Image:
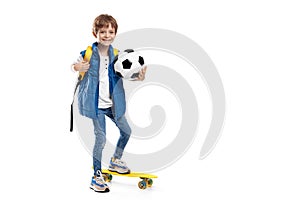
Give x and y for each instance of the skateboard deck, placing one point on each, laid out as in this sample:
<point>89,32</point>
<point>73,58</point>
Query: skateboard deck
<point>146,179</point>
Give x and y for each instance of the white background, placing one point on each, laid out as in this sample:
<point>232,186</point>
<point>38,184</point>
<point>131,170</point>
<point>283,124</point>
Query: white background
<point>255,46</point>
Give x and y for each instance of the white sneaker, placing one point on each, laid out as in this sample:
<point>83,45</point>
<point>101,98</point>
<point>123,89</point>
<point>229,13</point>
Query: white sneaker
<point>119,166</point>
<point>98,184</point>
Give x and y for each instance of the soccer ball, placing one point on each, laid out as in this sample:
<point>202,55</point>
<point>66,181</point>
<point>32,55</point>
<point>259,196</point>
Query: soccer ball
<point>128,64</point>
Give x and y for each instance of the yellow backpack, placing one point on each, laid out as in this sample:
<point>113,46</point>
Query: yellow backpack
<point>87,57</point>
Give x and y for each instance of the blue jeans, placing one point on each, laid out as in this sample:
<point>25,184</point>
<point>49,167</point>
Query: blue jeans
<point>100,136</point>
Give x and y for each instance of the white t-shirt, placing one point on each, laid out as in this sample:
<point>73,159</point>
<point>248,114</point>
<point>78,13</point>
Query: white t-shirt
<point>104,100</point>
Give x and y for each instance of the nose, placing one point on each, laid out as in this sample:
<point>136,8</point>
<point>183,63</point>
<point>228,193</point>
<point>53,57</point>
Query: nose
<point>106,34</point>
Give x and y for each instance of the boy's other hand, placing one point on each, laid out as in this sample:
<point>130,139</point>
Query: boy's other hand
<point>142,74</point>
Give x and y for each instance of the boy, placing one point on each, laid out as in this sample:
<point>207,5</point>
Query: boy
<point>103,85</point>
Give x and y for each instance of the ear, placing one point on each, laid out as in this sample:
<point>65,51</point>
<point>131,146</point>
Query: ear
<point>94,34</point>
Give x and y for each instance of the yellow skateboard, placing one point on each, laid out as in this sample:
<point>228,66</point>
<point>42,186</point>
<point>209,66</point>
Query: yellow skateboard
<point>143,184</point>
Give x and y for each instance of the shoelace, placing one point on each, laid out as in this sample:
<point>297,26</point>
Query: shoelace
<point>99,177</point>
<point>120,162</point>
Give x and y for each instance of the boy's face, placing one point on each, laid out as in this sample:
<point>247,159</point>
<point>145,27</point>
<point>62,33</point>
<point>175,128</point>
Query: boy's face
<point>106,35</point>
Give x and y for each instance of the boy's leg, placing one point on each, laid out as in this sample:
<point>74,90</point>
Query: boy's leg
<point>100,139</point>
<point>116,164</point>
<point>125,132</point>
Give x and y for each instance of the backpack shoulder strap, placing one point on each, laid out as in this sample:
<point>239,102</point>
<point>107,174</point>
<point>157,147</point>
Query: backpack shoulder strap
<point>87,57</point>
<point>116,52</point>
<point>88,53</point>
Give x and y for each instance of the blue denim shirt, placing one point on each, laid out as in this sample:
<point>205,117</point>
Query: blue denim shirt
<point>88,93</point>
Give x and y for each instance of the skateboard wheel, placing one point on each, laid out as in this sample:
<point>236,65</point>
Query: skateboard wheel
<point>149,182</point>
<point>107,177</point>
<point>142,185</point>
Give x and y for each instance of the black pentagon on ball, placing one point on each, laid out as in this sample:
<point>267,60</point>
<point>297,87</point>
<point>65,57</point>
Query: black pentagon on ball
<point>126,64</point>
<point>141,60</point>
